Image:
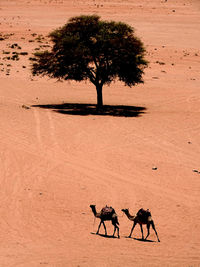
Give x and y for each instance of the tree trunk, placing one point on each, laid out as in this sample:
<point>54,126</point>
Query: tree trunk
<point>99,96</point>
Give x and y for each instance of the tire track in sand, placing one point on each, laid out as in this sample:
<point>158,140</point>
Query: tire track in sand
<point>38,127</point>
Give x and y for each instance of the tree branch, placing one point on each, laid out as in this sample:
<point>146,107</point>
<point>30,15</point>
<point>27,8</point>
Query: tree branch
<point>91,75</point>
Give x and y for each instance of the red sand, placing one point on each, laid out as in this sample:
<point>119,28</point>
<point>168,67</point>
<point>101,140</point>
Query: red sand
<point>53,166</point>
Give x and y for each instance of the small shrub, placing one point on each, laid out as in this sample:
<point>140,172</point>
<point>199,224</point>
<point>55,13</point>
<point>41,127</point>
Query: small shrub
<point>6,52</point>
<point>15,46</point>
<point>32,59</point>
<point>39,38</point>
<point>45,45</point>
<point>15,57</point>
<point>6,58</point>
<point>24,53</point>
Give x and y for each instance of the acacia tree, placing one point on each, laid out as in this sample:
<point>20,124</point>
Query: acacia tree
<point>87,48</point>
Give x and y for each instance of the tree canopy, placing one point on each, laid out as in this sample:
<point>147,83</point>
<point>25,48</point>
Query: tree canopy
<point>87,48</point>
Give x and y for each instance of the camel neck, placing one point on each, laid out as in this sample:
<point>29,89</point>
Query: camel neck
<point>129,215</point>
<point>96,214</point>
<point>94,211</point>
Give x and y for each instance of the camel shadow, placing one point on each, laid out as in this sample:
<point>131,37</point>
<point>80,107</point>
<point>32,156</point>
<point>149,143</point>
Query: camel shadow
<point>140,239</point>
<point>143,240</point>
<point>105,236</point>
<point>91,109</point>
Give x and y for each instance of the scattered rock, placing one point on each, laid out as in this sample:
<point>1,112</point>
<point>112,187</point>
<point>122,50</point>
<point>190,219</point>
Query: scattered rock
<point>154,168</point>
<point>24,53</point>
<point>160,62</point>
<point>195,170</point>
<point>26,107</point>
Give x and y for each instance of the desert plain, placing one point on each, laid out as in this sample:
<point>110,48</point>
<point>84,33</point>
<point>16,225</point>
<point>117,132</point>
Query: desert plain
<point>55,163</point>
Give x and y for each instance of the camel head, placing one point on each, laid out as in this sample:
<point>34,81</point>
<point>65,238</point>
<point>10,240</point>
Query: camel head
<point>125,210</point>
<point>93,207</point>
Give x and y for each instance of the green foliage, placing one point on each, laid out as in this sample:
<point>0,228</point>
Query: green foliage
<point>88,48</point>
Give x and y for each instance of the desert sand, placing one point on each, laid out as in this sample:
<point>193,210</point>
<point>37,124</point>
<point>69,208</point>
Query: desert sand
<point>54,164</point>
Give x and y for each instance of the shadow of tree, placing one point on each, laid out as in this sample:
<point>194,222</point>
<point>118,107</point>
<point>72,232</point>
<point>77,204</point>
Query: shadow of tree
<point>91,109</point>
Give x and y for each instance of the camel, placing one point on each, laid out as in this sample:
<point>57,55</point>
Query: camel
<point>142,217</point>
<point>106,214</point>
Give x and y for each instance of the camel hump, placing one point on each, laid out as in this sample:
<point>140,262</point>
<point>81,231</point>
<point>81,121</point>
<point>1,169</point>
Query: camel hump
<point>144,214</point>
<point>107,210</point>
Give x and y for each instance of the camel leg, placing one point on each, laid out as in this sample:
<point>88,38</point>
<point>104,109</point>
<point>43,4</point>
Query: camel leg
<point>99,228</point>
<point>153,226</point>
<point>132,229</point>
<point>118,231</point>
<point>116,227</point>
<point>142,231</point>
<point>104,228</point>
<point>114,230</point>
<point>148,227</point>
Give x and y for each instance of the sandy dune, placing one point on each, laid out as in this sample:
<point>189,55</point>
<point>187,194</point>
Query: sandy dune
<point>55,164</point>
